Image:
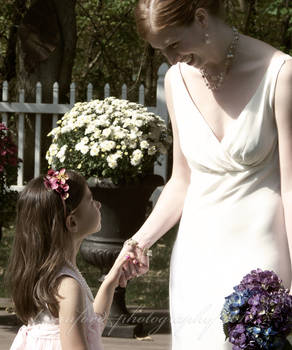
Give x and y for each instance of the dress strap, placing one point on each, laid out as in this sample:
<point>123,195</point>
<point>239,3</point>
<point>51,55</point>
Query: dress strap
<point>280,60</point>
<point>69,272</point>
<point>66,270</point>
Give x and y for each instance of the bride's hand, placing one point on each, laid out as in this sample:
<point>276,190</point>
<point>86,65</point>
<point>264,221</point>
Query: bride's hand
<point>143,260</point>
<point>139,266</point>
<point>142,265</point>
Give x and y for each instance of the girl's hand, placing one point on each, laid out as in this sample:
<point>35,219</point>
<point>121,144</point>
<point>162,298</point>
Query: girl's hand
<point>123,280</point>
<point>116,275</point>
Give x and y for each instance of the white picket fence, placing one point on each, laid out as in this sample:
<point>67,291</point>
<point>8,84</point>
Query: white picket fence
<point>38,108</point>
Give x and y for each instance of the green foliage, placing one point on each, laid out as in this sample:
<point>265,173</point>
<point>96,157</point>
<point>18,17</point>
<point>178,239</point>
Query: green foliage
<point>110,51</point>
<point>6,11</point>
<point>264,20</point>
<point>108,48</point>
<point>10,15</point>
<point>279,13</point>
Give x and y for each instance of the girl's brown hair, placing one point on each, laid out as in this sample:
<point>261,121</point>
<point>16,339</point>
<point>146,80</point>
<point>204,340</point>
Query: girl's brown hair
<point>40,245</point>
<point>155,15</point>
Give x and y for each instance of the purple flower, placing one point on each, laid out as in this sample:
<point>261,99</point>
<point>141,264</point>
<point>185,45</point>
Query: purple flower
<point>237,335</point>
<point>260,280</point>
<point>259,314</point>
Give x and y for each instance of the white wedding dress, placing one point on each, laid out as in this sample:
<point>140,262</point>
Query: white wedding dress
<point>232,221</point>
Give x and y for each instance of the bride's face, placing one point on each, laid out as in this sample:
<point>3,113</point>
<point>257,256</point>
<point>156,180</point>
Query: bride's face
<point>181,43</point>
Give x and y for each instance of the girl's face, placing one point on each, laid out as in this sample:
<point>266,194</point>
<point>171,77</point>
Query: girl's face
<point>87,214</point>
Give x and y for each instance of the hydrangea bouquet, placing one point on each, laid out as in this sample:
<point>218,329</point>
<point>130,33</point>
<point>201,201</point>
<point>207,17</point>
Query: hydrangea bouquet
<point>258,315</point>
<point>109,139</point>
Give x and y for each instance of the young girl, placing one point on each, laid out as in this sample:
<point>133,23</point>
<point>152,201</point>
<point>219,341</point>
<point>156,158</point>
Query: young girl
<point>54,214</point>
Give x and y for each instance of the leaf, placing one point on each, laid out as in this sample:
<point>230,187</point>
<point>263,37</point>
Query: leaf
<point>225,329</point>
<point>273,12</point>
<point>284,11</point>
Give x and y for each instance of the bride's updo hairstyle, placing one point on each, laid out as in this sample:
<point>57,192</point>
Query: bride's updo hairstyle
<point>151,16</point>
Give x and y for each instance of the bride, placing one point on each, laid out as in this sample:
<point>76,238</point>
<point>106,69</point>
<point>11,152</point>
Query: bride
<point>229,100</point>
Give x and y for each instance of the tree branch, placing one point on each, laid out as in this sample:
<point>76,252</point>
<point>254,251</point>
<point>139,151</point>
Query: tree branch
<point>108,38</point>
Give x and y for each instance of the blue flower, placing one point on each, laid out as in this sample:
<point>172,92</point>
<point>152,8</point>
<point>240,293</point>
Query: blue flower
<point>269,331</point>
<point>256,330</point>
<point>258,314</point>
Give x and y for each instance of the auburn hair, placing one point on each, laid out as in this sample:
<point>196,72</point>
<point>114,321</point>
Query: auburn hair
<point>40,244</point>
<point>155,15</point>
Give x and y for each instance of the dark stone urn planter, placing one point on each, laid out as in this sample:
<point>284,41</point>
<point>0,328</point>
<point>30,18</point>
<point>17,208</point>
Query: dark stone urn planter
<point>123,211</point>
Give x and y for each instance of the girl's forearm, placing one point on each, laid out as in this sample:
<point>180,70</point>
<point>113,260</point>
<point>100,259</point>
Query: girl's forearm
<point>103,299</point>
<point>165,214</point>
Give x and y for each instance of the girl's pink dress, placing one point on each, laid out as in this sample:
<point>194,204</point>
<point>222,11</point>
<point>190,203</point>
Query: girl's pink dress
<point>43,333</point>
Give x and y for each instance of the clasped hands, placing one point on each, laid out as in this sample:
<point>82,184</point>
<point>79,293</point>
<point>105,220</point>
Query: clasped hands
<point>136,265</point>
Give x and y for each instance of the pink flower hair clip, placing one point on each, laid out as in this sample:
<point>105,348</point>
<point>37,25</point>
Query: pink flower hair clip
<point>56,180</point>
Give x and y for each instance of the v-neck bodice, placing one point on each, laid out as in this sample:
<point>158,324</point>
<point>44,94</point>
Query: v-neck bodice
<point>258,90</point>
<point>249,140</point>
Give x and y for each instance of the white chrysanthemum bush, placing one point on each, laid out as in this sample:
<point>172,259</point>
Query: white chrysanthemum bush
<point>111,138</point>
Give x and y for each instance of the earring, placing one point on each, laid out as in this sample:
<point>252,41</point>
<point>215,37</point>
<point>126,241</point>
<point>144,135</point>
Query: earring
<point>207,39</point>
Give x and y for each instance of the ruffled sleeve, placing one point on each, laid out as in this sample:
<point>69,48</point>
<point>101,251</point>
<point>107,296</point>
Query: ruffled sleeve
<point>20,339</point>
<point>38,336</point>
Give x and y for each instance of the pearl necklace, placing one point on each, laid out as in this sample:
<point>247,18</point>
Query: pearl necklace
<point>82,280</point>
<point>213,82</point>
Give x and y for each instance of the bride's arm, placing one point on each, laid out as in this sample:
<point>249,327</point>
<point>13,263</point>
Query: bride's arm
<point>165,214</point>
<point>168,208</point>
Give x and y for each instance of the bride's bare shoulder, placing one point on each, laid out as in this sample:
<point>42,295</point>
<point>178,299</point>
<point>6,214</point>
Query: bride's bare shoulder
<point>259,50</point>
<point>168,75</point>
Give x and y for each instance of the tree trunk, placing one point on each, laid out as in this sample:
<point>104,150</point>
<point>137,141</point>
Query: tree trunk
<point>46,51</point>
<point>46,47</point>
<point>250,25</point>
<point>243,5</point>
<point>150,83</point>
